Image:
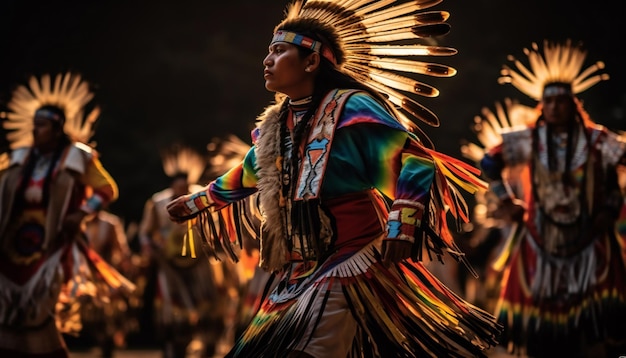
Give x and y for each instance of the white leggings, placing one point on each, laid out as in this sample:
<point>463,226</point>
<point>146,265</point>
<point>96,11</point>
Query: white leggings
<point>335,332</point>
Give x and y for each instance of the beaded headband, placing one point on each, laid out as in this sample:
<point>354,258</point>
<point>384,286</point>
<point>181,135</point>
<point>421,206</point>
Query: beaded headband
<point>304,41</point>
<point>380,44</point>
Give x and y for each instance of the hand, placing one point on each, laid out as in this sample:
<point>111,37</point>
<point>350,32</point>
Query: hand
<point>178,210</point>
<point>396,251</point>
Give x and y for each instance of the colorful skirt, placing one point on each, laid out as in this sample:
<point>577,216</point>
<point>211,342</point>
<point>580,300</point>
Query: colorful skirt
<point>574,301</point>
<point>402,310</point>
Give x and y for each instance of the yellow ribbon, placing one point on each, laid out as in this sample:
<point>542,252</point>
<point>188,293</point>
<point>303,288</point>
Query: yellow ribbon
<point>189,236</point>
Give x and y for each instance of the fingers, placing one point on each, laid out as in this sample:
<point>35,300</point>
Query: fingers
<point>396,251</point>
<point>178,217</point>
<point>177,210</point>
<point>172,206</point>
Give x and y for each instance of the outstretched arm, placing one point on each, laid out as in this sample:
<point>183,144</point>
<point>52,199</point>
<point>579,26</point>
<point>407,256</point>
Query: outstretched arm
<point>236,184</point>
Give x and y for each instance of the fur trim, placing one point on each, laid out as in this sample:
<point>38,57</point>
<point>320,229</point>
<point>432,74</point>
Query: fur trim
<point>267,150</point>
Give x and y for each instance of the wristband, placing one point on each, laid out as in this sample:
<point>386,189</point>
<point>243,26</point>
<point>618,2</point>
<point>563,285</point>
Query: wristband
<point>198,201</point>
<point>93,204</point>
<point>404,218</point>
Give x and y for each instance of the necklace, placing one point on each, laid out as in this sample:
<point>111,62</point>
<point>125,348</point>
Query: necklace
<point>300,102</point>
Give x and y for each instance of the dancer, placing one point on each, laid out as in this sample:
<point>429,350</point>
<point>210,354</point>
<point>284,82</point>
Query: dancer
<point>563,287</point>
<point>328,158</point>
<point>53,181</point>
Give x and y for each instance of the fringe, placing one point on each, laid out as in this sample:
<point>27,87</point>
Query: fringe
<point>90,275</point>
<point>401,311</point>
<point>19,304</point>
<point>592,306</point>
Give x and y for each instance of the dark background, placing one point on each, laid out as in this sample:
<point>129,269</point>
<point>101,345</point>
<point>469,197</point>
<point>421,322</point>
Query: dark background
<point>188,71</point>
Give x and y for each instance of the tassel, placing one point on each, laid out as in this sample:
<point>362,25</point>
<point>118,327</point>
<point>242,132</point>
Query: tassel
<point>184,249</point>
<point>192,246</point>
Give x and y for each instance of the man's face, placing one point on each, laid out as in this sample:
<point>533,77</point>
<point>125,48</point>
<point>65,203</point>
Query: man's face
<point>558,110</point>
<point>45,134</point>
<point>285,71</point>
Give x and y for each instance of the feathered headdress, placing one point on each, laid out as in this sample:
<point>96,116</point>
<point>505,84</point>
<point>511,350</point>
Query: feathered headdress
<point>489,125</point>
<point>4,160</point>
<point>68,92</point>
<point>559,64</point>
<point>180,159</point>
<point>374,41</point>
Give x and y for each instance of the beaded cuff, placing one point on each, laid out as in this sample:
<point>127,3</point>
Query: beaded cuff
<point>198,202</point>
<point>404,218</point>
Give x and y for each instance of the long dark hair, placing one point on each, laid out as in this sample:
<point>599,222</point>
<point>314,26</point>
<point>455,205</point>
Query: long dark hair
<point>576,123</point>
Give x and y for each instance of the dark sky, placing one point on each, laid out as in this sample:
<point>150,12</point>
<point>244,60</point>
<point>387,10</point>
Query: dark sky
<point>186,71</point>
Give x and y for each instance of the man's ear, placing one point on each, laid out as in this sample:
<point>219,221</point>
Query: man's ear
<point>313,62</point>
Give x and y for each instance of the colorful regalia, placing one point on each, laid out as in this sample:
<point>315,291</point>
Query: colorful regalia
<point>44,272</point>
<point>340,174</point>
<point>398,307</point>
<point>563,284</point>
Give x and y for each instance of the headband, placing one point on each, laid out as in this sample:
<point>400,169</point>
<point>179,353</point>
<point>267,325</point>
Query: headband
<point>49,115</point>
<point>303,41</point>
<point>559,89</point>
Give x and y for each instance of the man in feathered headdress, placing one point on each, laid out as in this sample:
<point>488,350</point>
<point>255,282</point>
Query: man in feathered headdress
<point>53,181</point>
<point>564,278</point>
<point>328,157</point>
